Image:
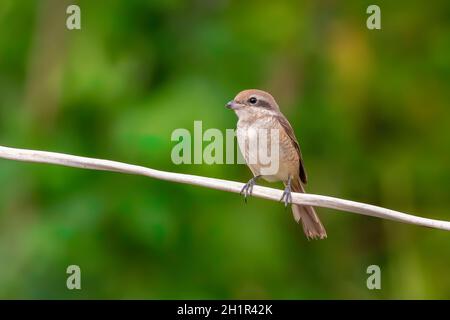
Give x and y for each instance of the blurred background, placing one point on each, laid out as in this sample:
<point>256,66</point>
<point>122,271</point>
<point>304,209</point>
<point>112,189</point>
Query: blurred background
<point>370,109</point>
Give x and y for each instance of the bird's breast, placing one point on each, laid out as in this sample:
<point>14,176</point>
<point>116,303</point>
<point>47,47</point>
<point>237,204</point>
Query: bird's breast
<point>258,144</point>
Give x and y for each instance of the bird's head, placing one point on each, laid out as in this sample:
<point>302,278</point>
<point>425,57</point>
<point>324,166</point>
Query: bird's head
<point>253,102</point>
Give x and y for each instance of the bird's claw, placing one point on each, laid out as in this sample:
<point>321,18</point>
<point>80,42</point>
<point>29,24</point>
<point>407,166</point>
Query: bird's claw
<point>247,189</point>
<point>287,196</point>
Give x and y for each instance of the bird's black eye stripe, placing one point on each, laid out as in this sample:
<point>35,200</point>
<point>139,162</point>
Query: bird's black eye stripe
<point>252,100</point>
<point>264,104</point>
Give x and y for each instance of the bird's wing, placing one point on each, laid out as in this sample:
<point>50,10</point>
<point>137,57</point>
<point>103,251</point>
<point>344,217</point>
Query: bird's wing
<point>290,132</point>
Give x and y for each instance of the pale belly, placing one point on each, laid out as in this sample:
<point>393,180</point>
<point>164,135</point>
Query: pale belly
<point>277,166</point>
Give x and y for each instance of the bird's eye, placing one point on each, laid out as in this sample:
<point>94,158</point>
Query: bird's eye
<point>252,100</point>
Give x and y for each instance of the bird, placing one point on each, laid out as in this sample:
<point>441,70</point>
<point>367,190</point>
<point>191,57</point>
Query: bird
<point>257,111</point>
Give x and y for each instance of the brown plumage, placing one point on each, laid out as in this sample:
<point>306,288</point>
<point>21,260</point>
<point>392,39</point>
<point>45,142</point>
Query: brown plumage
<point>257,109</point>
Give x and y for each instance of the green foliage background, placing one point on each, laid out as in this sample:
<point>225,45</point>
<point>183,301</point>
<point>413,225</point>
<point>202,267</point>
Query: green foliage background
<point>370,108</point>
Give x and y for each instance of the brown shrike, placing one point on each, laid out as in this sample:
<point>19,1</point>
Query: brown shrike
<point>258,110</point>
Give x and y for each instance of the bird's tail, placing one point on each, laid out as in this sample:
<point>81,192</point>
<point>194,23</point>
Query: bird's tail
<point>312,226</point>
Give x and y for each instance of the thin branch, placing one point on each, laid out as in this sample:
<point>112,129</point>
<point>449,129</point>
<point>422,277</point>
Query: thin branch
<point>224,185</point>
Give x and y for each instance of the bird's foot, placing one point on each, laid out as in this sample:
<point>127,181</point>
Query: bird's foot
<point>287,195</point>
<point>247,189</point>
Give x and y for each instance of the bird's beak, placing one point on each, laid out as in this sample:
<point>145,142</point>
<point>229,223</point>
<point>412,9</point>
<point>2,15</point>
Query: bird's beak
<point>232,105</point>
